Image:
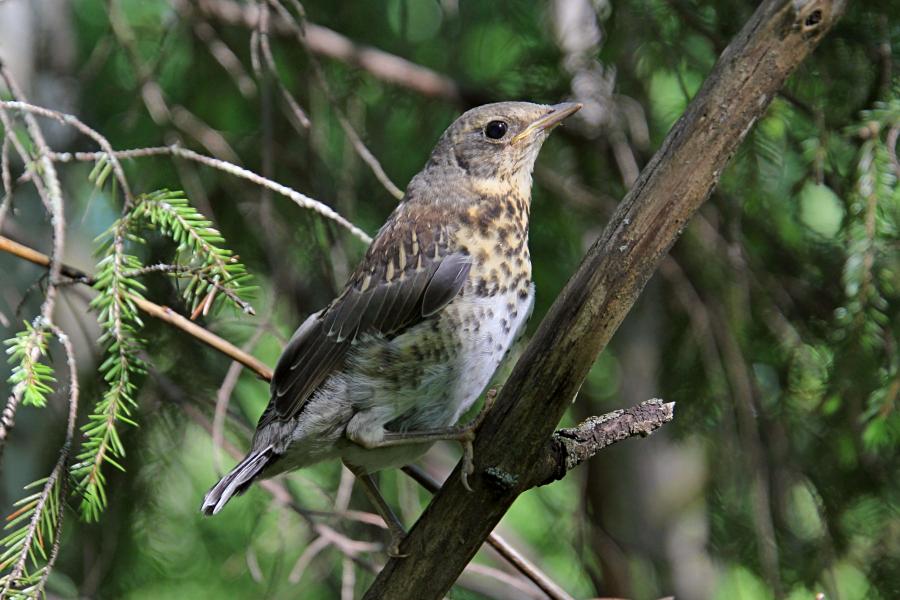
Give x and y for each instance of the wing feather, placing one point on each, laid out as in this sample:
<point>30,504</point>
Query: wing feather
<point>448,278</point>
<point>370,304</point>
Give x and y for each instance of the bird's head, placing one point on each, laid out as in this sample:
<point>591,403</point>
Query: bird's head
<point>496,144</point>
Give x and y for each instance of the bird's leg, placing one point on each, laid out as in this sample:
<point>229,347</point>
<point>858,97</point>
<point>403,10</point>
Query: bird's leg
<point>395,527</point>
<point>464,434</point>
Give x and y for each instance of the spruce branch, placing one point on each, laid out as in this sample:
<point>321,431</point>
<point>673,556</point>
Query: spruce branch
<point>119,321</point>
<point>29,551</point>
<point>46,182</point>
<point>30,378</point>
<point>147,307</point>
<point>212,267</point>
<point>870,225</point>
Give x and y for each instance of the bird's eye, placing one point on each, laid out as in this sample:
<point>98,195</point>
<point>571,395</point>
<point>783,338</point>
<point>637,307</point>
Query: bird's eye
<point>496,129</point>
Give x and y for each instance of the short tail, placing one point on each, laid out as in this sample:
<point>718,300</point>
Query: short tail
<point>237,481</point>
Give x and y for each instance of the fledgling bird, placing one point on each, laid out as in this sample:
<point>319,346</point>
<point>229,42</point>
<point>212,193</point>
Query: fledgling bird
<point>388,367</point>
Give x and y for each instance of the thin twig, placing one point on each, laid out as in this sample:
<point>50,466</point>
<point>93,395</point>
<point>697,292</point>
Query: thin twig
<point>5,176</point>
<point>223,395</point>
<point>73,121</point>
<point>226,58</point>
<point>154,310</point>
<point>177,271</point>
<point>327,42</point>
<point>299,199</point>
<point>364,153</point>
<point>50,192</point>
<point>62,463</point>
<point>306,557</point>
<point>348,579</point>
<point>263,43</point>
<point>185,271</point>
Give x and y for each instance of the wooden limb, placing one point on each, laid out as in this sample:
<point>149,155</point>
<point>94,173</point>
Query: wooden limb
<point>327,42</point>
<point>164,313</point>
<point>675,183</point>
<point>498,543</point>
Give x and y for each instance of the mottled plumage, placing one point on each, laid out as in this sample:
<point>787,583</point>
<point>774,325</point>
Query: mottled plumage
<point>424,320</point>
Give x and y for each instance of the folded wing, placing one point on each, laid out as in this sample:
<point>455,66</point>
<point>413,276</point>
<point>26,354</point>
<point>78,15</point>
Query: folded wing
<point>405,278</point>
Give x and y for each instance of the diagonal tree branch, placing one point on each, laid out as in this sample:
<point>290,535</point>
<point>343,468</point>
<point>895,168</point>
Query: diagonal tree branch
<point>679,178</point>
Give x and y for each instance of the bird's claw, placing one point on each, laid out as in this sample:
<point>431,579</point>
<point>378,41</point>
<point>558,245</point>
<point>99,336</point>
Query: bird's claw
<point>394,549</point>
<point>468,462</point>
<point>467,437</point>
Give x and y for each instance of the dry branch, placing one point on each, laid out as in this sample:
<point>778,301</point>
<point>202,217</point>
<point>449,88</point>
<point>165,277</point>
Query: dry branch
<point>327,42</point>
<point>164,313</point>
<point>570,447</point>
<point>678,179</point>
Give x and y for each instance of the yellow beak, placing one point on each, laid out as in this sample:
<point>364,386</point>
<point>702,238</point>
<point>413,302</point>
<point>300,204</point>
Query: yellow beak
<point>550,120</point>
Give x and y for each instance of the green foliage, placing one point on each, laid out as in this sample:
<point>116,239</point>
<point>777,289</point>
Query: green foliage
<point>119,320</point>
<point>210,267</point>
<point>870,271</point>
<point>33,528</point>
<point>30,377</point>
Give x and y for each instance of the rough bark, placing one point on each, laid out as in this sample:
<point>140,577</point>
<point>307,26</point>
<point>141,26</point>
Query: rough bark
<point>679,178</point>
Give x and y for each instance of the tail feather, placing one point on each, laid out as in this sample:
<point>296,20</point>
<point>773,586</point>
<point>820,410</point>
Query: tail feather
<point>237,481</point>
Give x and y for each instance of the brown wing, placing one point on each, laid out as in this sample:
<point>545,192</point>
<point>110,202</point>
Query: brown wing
<point>406,277</point>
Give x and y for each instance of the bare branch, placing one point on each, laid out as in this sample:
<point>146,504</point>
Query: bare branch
<point>73,121</point>
<point>301,200</point>
<point>327,42</point>
<point>50,191</point>
<point>5,176</point>
<point>309,553</point>
<point>570,447</point>
<point>364,153</point>
<point>263,38</point>
<point>226,58</point>
<point>62,462</point>
<point>223,396</point>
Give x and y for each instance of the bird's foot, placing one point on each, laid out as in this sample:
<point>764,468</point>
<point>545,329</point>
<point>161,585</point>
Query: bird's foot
<point>397,537</point>
<point>467,437</point>
<point>464,434</point>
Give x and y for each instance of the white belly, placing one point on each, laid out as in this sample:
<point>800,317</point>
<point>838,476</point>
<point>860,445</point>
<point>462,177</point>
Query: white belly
<point>485,348</point>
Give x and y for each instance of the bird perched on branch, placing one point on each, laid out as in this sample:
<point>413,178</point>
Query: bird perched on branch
<point>426,318</point>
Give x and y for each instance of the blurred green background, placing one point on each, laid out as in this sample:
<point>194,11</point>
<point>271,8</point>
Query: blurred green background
<point>773,324</point>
